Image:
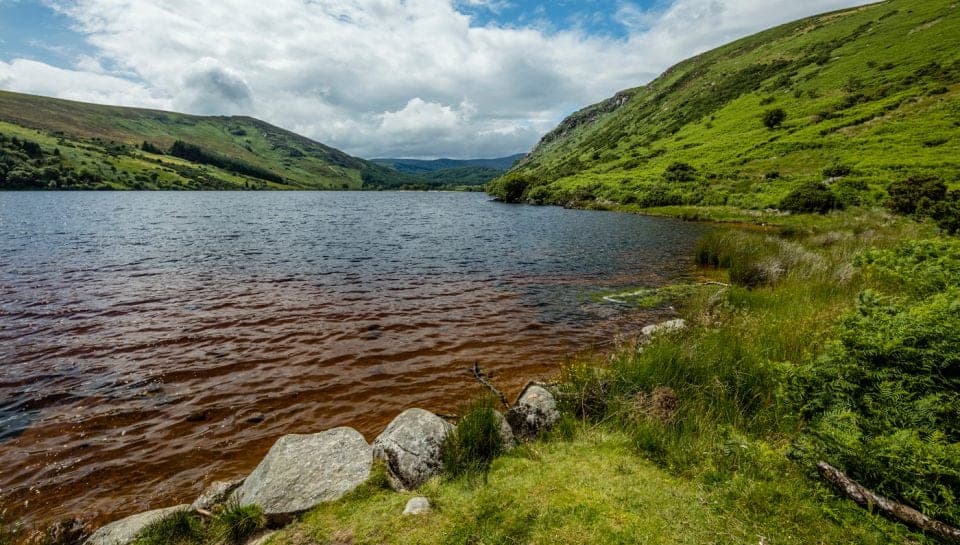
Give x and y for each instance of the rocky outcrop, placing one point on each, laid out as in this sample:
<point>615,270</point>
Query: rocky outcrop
<point>302,471</point>
<point>124,531</point>
<point>417,506</point>
<point>665,327</point>
<point>534,412</point>
<point>216,493</point>
<point>410,447</point>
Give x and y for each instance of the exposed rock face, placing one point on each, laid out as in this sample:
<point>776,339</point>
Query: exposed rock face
<point>124,531</point>
<point>216,493</point>
<point>410,446</point>
<point>665,327</point>
<point>301,471</point>
<point>417,506</point>
<point>534,412</point>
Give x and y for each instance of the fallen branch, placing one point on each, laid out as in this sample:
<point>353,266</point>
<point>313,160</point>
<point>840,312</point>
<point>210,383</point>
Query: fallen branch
<point>482,379</point>
<point>888,508</point>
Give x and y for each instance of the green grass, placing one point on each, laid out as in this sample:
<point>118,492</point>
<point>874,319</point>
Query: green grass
<point>874,89</point>
<point>475,443</point>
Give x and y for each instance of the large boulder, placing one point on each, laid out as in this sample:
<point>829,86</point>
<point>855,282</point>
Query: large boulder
<point>124,531</point>
<point>410,447</point>
<point>301,471</point>
<point>534,412</point>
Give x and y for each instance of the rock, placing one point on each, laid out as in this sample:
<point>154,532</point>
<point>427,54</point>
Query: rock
<point>410,446</point>
<point>124,531</point>
<point>302,471</point>
<point>506,432</point>
<point>417,506</point>
<point>534,412</point>
<point>665,327</point>
<point>215,494</point>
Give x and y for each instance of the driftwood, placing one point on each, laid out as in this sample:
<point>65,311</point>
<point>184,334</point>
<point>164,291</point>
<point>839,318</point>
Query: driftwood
<point>484,379</point>
<point>888,508</point>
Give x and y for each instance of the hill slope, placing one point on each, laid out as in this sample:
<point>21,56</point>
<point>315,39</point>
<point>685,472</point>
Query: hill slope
<point>418,166</point>
<point>452,172</point>
<point>870,96</point>
<point>52,143</point>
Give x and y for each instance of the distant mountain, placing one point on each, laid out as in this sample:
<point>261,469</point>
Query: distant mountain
<point>419,166</point>
<point>52,143</point>
<point>856,98</point>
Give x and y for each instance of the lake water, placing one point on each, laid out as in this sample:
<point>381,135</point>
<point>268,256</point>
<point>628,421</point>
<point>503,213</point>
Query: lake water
<point>152,342</point>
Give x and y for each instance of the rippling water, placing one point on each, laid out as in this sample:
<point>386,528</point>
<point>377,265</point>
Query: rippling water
<point>151,342</point>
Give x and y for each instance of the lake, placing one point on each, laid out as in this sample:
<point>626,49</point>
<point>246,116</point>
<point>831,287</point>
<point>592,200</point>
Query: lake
<point>152,342</point>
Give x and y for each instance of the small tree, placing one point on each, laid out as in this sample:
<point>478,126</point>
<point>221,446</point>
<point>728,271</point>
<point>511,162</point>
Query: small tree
<point>811,197</point>
<point>774,118</point>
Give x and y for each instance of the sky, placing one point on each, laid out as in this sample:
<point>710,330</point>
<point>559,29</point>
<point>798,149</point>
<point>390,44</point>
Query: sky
<point>375,78</point>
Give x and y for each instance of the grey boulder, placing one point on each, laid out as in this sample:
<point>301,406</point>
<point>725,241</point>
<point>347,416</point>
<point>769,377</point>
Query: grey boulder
<point>124,531</point>
<point>534,412</point>
<point>302,471</point>
<point>410,447</point>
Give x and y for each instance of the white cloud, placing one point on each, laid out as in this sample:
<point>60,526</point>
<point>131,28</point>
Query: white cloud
<point>379,77</point>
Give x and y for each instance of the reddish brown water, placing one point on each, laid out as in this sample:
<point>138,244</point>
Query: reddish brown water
<point>153,342</point>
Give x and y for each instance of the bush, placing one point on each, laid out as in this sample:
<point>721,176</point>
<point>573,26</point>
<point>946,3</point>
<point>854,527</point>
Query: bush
<point>882,406</point>
<point>471,448</point>
<point>926,196</point>
<point>811,197</point>
<point>680,172</point>
<point>774,118</point>
<point>510,188</point>
<point>836,171</point>
<point>916,194</point>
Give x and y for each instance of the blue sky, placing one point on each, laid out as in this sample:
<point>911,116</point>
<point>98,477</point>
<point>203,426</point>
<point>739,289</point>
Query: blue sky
<point>376,78</point>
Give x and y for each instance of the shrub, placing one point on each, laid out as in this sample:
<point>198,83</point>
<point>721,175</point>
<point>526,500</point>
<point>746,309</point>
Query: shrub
<point>238,522</point>
<point>510,188</point>
<point>836,170</point>
<point>471,448</point>
<point>774,118</point>
<point>680,172</point>
<point>811,197</point>
<point>916,194</point>
<point>882,405</point>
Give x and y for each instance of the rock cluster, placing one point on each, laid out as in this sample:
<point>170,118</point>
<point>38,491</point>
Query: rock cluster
<point>302,471</point>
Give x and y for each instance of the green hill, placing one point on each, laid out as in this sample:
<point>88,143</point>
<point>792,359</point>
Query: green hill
<point>869,96</point>
<point>51,143</point>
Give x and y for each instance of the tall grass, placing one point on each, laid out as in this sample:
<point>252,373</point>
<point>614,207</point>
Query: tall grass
<point>177,528</point>
<point>475,443</point>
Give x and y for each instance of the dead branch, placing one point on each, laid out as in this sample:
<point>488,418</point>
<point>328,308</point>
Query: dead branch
<point>483,379</point>
<point>887,507</point>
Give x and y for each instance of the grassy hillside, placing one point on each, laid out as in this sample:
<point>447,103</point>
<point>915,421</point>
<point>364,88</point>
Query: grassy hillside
<point>51,143</point>
<point>868,96</point>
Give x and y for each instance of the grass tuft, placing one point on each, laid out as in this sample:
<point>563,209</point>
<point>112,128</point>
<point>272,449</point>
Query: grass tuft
<point>471,448</point>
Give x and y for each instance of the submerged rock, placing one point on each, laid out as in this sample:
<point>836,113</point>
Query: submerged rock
<point>410,447</point>
<point>215,494</point>
<point>665,327</point>
<point>302,471</point>
<point>124,531</point>
<point>534,412</point>
<point>417,506</point>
